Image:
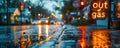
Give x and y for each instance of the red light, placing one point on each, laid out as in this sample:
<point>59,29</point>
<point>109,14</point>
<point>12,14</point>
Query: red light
<point>82,3</point>
<point>21,6</point>
<point>82,28</point>
<point>82,43</point>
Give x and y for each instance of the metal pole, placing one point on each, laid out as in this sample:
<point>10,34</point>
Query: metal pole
<point>109,15</point>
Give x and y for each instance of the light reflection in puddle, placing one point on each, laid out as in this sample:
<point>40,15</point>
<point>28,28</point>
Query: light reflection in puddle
<point>46,30</point>
<point>39,32</point>
<point>82,42</point>
<point>100,39</point>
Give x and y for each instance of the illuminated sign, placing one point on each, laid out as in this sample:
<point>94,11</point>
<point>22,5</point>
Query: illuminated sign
<point>99,9</point>
<point>118,10</point>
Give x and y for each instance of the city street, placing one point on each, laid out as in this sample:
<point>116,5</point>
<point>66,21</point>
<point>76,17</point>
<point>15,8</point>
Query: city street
<point>59,23</point>
<point>14,33</point>
<point>56,36</point>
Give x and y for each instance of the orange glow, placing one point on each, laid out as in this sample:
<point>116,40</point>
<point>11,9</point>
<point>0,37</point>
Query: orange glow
<point>118,15</point>
<point>15,28</point>
<point>93,15</point>
<point>118,6</point>
<point>82,28</point>
<point>29,7</point>
<point>15,38</point>
<point>82,42</point>
<point>99,9</point>
<point>22,28</point>
<point>22,42</point>
<point>117,10</point>
<point>100,39</point>
<point>39,32</point>
<point>29,42</point>
<point>100,5</point>
<point>98,15</point>
<point>47,29</point>
<point>82,3</point>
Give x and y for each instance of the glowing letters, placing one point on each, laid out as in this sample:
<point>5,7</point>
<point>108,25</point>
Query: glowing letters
<point>99,9</point>
<point>100,5</point>
<point>98,15</point>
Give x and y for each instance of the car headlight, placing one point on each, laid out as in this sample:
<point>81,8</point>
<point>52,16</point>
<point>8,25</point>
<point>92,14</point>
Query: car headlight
<point>46,21</point>
<point>39,21</point>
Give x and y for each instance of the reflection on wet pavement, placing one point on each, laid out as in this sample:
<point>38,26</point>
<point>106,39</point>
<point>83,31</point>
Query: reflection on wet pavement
<point>82,43</point>
<point>100,39</point>
<point>40,33</point>
<point>27,36</point>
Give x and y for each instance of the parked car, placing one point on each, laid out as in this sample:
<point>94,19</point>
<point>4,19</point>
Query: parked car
<point>59,23</point>
<point>52,22</point>
<point>35,22</point>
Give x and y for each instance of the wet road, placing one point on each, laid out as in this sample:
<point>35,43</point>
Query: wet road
<point>46,36</point>
<point>18,34</point>
<point>91,38</point>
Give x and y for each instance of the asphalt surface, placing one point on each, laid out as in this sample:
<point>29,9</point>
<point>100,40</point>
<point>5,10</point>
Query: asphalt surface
<point>88,36</point>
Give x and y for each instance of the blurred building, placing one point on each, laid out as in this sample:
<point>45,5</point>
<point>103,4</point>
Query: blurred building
<point>14,16</point>
<point>25,16</point>
<point>10,16</point>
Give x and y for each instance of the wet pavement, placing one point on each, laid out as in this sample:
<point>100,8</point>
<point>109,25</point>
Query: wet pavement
<point>18,34</point>
<point>55,36</point>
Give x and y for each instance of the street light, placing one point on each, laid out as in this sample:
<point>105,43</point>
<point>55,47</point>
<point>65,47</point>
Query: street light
<point>25,0</point>
<point>28,12</point>
<point>58,6</point>
<point>52,14</point>
<point>61,16</point>
<point>29,7</point>
<point>38,14</point>
<point>82,4</point>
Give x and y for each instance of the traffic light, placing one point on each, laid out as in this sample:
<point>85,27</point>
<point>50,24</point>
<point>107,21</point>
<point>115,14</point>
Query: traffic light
<point>82,4</point>
<point>21,7</point>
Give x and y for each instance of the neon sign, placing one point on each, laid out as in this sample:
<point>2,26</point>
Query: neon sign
<point>98,15</point>
<point>99,9</point>
<point>100,5</point>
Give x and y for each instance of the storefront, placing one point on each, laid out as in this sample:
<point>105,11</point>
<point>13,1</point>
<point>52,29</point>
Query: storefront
<point>9,17</point>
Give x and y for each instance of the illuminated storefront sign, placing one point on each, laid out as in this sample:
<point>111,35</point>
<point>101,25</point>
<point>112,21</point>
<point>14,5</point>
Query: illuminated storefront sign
<point>99,9</point>
<point>118,10</point>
